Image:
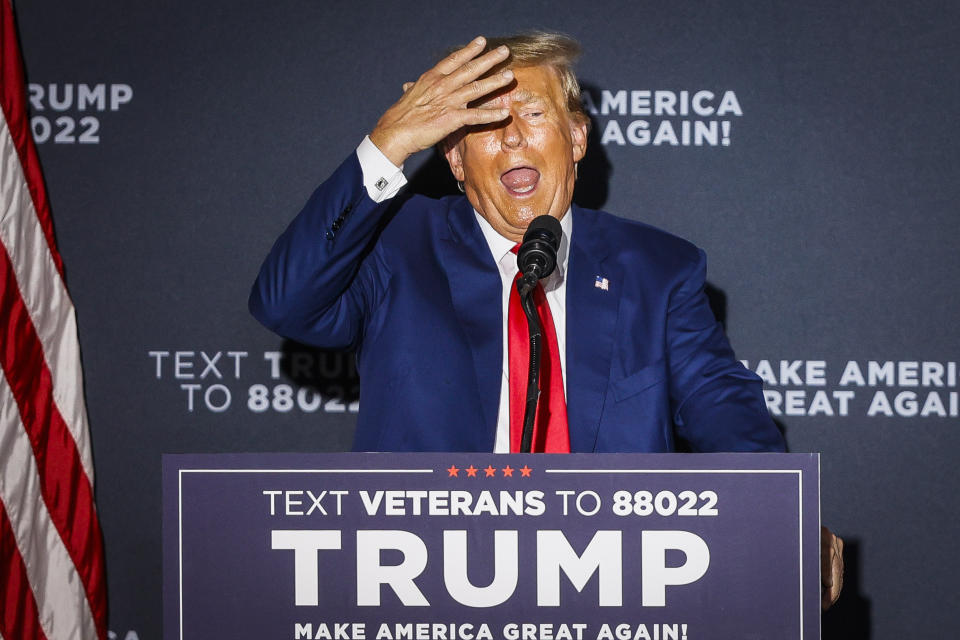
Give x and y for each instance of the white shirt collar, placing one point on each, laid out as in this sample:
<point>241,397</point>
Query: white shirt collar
<point>500,246</point>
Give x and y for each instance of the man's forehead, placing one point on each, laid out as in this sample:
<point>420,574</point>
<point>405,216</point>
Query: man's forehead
<point>533,84</point>
<point>524,95</point>
<point>516,95</point>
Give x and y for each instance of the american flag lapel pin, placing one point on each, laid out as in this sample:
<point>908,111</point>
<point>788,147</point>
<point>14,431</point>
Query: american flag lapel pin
<point>602,283</point>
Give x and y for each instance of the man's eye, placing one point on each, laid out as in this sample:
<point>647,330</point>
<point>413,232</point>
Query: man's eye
<point>535,114</point>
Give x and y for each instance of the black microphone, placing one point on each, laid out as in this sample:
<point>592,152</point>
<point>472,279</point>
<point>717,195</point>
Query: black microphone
<point>537,256</point>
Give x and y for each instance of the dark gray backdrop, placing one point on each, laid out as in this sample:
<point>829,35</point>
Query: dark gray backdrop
<point>829,217</point>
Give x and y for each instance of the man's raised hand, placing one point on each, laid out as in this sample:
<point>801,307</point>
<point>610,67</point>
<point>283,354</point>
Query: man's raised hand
<point>435,105</point>
<point>831,567</point>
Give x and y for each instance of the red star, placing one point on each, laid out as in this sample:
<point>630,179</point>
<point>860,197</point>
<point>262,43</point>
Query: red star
<point>508,471</point>
<point>452,471</point>
<point>472,471</point>
<point>525,471</point>
<point>490,471</point>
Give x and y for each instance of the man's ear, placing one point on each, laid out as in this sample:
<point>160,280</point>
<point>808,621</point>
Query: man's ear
<point>451,151</point>
<point>578,135</point>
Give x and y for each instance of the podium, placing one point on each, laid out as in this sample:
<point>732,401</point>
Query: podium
<point>459,546</point>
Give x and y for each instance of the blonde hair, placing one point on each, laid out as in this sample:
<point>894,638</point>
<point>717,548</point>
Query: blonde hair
<point>545,48</point>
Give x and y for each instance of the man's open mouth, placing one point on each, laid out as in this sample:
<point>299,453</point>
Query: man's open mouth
<point>521,180</point>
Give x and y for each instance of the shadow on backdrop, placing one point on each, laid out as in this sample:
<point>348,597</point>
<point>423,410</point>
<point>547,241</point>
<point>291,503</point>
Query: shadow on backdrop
<point>331,374</point>
<point>849,618</point>
<point>594,171</point>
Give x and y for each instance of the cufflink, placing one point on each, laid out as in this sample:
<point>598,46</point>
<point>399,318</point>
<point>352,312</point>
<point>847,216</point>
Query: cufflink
<point>381,184</point>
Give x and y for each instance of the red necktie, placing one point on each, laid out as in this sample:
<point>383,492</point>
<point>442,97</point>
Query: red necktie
<point>551,433</point>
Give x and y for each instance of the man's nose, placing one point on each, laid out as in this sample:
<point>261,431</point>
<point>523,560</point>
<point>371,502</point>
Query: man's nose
<point>512,136</point>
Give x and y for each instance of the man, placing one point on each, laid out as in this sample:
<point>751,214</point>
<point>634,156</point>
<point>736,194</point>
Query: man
<point>424,300</point>
<point>634,359</point>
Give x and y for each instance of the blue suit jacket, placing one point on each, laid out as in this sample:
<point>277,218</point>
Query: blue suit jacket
<point>419,297</point>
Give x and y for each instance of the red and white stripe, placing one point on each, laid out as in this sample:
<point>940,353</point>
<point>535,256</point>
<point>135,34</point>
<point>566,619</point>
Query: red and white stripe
<point>52,585</point>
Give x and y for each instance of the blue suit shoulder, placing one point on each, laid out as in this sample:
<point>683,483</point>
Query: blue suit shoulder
<point>640,244</point>
<point>416,219</point>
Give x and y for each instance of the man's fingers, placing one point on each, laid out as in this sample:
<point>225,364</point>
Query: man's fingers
<point>836,566</point>
<point>831,567</point>
<point>456,59</point>
<point>429,110</point>
<point>479,88</point>
<point>469,117</point>
<point>473,69</point>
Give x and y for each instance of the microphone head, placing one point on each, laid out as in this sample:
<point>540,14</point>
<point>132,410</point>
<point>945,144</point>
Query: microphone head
<point>546,227</point>
<point>538,252</point>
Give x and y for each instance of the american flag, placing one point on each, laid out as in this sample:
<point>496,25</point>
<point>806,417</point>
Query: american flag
<point>602,283</point>
<point>52,583</point>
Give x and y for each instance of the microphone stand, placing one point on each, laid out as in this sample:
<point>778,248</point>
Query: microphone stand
<point>536,259</point>
<point>525,287</point>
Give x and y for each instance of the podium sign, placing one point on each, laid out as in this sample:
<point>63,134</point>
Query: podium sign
<point>470,546</point>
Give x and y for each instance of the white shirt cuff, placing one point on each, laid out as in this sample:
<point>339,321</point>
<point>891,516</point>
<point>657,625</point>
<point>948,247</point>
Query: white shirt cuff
<point>382,178</point>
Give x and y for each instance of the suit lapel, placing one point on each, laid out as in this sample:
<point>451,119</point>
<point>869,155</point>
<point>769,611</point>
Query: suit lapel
<point>475,289</point>
<point>591,322</point>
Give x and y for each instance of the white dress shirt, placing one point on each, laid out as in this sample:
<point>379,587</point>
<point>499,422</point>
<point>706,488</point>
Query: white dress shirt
<point>383,180</point>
